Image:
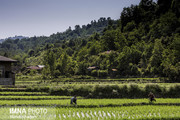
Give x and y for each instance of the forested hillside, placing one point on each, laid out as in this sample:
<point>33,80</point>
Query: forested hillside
<point>11,46</point>
<point>144,42</point>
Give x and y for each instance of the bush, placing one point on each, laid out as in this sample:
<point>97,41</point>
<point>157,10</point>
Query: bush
<point>29,89</point>
<point>174,91</point>
<point>94,73</point>
<point>102,73</point>
<point>135,91</point>
<point>32,72</point>
<point>123,91</point>
<point>57,73</point>
<point>111,91</point>
<point>82,91</point>
<point>56,91</point>
<point>156,89</point>
<point>44,89</point>
<point>106,91</point>
<point>102,91</point>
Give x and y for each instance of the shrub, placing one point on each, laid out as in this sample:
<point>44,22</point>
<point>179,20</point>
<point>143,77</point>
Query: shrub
<point>156,89</point>
<point>29,89</point>
<point>57,73</point>
<point>135,91</point>
<point>104,91</point>
<point>44,89</point>
<point>32,72</point>
<point>94,73</point>
<point>123,91</point>
<point>102,73</point>
<point>56,91</point>
<point>174,91</point>
<point>109,91</point>
<point>82,91</point>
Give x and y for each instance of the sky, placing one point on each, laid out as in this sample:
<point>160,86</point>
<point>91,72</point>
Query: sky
<point>44,17</point>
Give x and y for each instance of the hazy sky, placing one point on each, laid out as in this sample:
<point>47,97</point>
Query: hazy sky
<point>45,17</point>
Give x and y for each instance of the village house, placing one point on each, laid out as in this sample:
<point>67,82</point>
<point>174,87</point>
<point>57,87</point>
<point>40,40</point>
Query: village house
<point>113,72</point>
<point>38,67</point>
<point>7,77</point>
<point>92,68</point>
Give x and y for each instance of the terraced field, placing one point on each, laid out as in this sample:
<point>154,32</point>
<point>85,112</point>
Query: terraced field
<point>32,94</point>
<point>59,108</point>
<point>37,100</point>
<point>148,112</point>
<point>114,113</point>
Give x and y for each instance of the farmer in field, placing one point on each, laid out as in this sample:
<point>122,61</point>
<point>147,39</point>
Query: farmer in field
<point>151,97</point>
<point>73,100</point>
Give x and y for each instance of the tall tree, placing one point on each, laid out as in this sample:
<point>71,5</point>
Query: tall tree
<point>50,63</point>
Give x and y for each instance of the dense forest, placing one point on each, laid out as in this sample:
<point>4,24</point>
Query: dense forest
<point>144,42</point>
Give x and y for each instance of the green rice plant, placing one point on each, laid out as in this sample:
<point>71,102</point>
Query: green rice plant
<point>35,97</point>
<point>22,93</point>
<point>108,113</point>
<point>119,113</point>
<point>92,102</point>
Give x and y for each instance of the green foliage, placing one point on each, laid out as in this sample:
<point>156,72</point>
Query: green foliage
<point>108,40</point>
<point>165,25</point>
<point>143,42</point>
<point>120,41</point>
<point>50,63</point>
<point>33,72</point>
<point>94,73</point>
<point>156,58</point>
<point>102,73</point>
<point>130,26</point>
<point>117,91</point>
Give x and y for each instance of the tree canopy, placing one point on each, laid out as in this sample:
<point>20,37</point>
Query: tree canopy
<point>144,42</point>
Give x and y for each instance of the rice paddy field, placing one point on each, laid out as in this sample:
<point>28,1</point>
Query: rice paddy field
<point>106,113</point>
<point>20,103</point>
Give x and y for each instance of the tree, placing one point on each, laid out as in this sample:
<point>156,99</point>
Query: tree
<point>166,25</point>
<point>120,40</point>
<point>147,5</point>
<point>156,58</point>
<point>176,46</point>
<point>108,40</point>
<point>176,7</point>
<point>66,65</point>
<point>31,52</point>
<point>77,30</point>
<point>128,14</point>
<point>164,6</point>
<point>130,26</point>
<point>5,54</point>
<point>50,63</point>
<point>82,68</point>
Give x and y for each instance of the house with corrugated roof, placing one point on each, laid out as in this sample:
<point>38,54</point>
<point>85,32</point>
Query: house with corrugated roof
<point>37,67</point>
<point>7,77</point>
<point>92,68</point>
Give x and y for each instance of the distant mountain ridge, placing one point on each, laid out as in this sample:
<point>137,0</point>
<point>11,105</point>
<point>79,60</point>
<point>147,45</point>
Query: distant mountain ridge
<point>13,38</point>
<point>16,44</point>
<point>2,40</point>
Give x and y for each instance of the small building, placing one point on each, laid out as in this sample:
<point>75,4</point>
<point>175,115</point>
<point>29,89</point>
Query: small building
<point>38,67</point>
<point>34,68</point>
<point>113,72</point>
<point>7,77</point>
<point>41,66</point>
<point>92,68</point>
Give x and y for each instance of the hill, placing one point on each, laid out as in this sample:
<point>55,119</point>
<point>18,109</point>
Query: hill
<point>19,44</point>
<point>144,42</point>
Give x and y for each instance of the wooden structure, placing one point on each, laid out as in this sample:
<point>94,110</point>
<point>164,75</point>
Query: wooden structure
<point>7,77</point>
